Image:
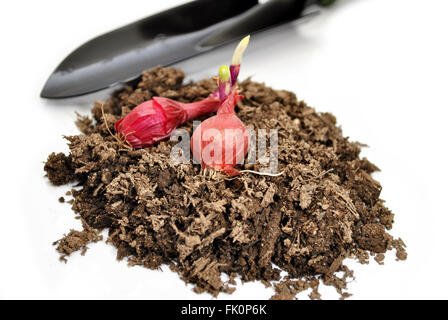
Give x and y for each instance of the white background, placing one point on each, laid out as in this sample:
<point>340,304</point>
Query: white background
<point>380,66</point>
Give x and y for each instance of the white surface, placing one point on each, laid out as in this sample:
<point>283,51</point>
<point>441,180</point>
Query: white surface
<point>380,66</point>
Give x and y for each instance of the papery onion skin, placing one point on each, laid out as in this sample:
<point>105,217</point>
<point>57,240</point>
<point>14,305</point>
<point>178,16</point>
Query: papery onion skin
<point>225,136</point>
<point>154,120</point>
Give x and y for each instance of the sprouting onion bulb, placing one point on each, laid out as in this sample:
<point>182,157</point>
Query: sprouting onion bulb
<point>156,119</point>
<point>221,142</point>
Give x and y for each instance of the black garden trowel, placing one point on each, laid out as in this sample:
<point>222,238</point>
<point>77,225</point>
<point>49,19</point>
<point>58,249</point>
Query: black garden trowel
<point>166,38</point>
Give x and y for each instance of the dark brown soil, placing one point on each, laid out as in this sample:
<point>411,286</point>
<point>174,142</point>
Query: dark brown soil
<point>59,169</point>
<point>323,209</point>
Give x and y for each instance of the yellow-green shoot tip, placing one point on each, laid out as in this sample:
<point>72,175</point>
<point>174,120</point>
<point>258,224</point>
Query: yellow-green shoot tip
<point>239,51</point>
<point>224,74</point>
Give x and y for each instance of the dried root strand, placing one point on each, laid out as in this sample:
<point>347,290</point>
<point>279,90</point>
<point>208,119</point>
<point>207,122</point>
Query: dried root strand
<point>212,174</point>
<point>122,143</point>
<point>263,173</point>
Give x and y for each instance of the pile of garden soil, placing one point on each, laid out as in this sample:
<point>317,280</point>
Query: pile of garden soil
<point>324,208</point>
